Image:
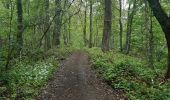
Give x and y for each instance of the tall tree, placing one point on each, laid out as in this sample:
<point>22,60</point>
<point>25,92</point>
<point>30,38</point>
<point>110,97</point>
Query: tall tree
<point>164,21</point>
<point>69,30</point>
<point>107,25</point>
<point>151,42</point>
<point>47,18</point>
<point>57,23</point>
<point>129,25</point>
<point>97,33</point>
<point>10,50</point>
<point>120,24</point>
<point>85,22</point>
<point>20,26</point>
<point>149,34</point>
<point>64,16</point>
<point>91,27</point>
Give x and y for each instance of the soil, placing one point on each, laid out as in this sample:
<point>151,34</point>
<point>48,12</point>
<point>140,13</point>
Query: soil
<point>75,80</point>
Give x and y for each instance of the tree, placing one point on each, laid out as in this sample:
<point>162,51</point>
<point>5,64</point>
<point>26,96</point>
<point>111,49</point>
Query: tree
<point>10,50</point>
<point>151,46</point>
<point>85,22</point>
<point>91,27</point>
<point>120,24</point>
<point>129,25</point>
<point>69,30</point>
<point>149,34</point>
<point>20,26</point>
<point>164,21</point>
<point>57,23</point>
<point>107,25</point>
<point>47,17</point>
<point>64,16</point>
<point>97,33</point>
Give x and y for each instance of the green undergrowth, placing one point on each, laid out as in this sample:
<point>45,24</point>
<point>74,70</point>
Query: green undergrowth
<point>130,74</point>
<point>29,73</point>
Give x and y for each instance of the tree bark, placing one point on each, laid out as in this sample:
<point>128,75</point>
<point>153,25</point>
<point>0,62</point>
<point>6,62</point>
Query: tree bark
<point>151,42</point>
<point>120,24</point>
<point>107,25</point>
<point>97,33</point>
<point>19,26</point>
<point>164,21</point>
<point>91,19</point>
<point>65,34</point>
<point>47,18</point>
<point>69,31</point>
<point>129,26</point>
<point>85,22</point>
<point>57,23</point>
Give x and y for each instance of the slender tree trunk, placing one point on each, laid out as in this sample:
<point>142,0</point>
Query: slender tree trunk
<point>65,34</point>
<point>57,23</point>
<point>149,34</point>
<point>129,26</point>
<point>120,23</point>
<point>85,22</point>
<point>96,35</point>
<point>164,21</point>
<point>151,41</point>
<point>91,30</point>
<point>107,25</point>
<point>69,31</point>
<point>47,36</point>
<point>20,26</point>
<point>10,49</point>
<point>128,33</point>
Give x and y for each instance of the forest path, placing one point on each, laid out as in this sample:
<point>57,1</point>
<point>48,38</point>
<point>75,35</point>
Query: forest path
<point>75,80</point>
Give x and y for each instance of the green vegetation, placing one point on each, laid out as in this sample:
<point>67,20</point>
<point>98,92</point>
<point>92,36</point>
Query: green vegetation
<point>28,74</point>
<point>133,35</point>
<point>130,74</point>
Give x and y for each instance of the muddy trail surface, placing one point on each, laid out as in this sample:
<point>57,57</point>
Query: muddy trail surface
<point>75,80</point>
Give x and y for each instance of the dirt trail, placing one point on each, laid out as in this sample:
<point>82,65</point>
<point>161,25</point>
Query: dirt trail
<point>75,80</point>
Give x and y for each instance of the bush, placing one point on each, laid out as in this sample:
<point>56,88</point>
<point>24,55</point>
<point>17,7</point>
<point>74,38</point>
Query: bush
<point>30,73</point>
<point>26,80</point>
<point>130,74</point>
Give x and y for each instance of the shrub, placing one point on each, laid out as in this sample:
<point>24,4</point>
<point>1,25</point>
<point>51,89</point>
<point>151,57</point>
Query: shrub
<point>130,74</point>
<point>29,73</point>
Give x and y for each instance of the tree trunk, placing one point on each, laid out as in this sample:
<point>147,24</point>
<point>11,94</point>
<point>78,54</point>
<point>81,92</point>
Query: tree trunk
<point>91,30</point>
<point>85,22</point>
<point>65,36</point>
<point>57,23</point>
<point>96,35</point>
<point>47,36</point>
<point>107,25</point>
<point>149,34</point>
<point>10,50</point>
<point>164,21</point>
<point>128,34</point>
<point>120,23</point>
<point>69,31</point>
<point>129,26</point>
<point>151,46</point>
<point>20,26</point>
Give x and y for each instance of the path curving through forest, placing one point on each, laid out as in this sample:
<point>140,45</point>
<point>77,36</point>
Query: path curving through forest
<point>75,80</point>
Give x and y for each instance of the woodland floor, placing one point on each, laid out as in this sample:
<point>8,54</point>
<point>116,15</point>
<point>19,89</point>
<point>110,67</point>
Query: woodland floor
<point>75,80</point>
